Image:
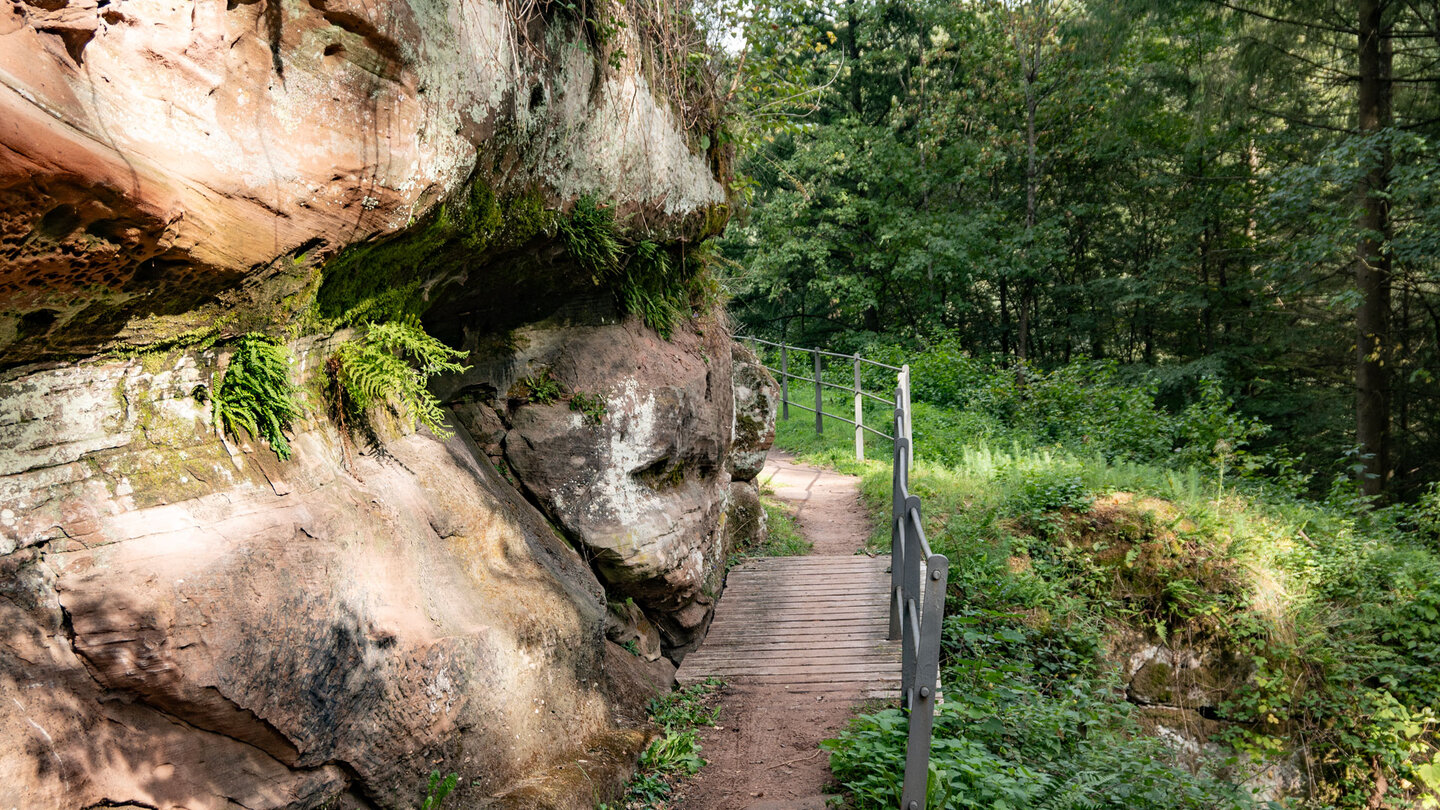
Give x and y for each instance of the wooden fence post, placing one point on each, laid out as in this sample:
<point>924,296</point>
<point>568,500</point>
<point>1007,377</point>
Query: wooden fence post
<point>819,401</point>
<point>784,382</point>
<point>859,415</point>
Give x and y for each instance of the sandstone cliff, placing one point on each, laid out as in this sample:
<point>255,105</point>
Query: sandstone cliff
<point>186,620</point>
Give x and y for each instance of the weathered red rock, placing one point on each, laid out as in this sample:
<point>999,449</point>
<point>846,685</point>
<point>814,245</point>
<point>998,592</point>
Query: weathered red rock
<point>165,164</point>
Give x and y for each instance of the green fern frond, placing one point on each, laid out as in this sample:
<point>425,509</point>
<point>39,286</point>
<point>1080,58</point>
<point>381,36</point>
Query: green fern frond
<point>255,394</point>
<point>394,363</point>
<point>589,236</point>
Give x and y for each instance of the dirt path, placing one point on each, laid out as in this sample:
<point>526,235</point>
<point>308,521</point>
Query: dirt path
<point>764,755</point>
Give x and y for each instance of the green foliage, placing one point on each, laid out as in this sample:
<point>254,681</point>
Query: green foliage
<point>383,281</point>
<point>590,239</point>
<point>1163,186</point>
<point>652,290</point>
<point>782,536</point>
<point>592,406</point>
<point>1333,602</point>
<point>541,389</point>
<point>647,278</point>
<point>687,707</point>
<point>437,788</point>
<point>255,393</point>
<point>1010,745</point>
<point>393,363</point>
<point>676,753</point>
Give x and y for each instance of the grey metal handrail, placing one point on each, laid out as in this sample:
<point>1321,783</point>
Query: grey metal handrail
<point>918,579</point>
<point>918,576</point>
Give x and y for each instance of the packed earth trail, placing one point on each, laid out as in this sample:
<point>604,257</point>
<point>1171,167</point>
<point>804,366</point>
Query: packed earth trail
<point>799,642</point>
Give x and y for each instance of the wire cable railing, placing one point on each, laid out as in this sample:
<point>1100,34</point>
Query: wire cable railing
<point>918,576</point>
<point>855,389</point>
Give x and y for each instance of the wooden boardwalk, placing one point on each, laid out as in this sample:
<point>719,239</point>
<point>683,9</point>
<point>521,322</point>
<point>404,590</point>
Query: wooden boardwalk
<point>813,624</point>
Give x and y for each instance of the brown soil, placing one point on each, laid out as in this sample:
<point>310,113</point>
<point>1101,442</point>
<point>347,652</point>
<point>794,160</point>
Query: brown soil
<point>826,503</point>
<point>765,754</point>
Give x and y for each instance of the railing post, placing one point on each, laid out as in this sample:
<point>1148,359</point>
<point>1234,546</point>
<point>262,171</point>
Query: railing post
<point>909,640</point>
<point>897,545</point>
<point>910,454</point>
<point>859,415</point>
<point>819,400</point>
<point>927,677</point>
<point>784,381</point>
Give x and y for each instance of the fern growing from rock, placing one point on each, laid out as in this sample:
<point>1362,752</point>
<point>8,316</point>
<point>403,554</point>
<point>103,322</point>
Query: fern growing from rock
<point>255,393</point>
<point>393,363</point>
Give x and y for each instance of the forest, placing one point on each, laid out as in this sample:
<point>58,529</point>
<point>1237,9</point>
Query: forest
<point>1180,191</point>
<point>1168,278</point>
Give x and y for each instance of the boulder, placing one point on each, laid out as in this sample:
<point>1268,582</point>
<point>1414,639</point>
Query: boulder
<point>745,521</point>
<point>188,623</point>
<point>1179,688</point>
<point>1194,676</point>
<point>639,483</point>
<point>757,399</point>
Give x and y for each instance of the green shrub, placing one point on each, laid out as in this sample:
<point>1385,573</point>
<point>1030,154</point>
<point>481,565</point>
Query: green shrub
<point>254,393</point>
<point>393,363</point>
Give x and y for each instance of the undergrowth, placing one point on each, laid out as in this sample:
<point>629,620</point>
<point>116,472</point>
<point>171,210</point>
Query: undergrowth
<point>675,754</point>
<point>1079,510</point>
<point>437,789</point>
<point>662,285</point>
<point>255,393</point>
<point>782,536</point>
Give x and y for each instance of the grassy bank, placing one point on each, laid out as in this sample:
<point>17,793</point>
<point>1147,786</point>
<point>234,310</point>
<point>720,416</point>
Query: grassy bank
<point>1077,513</point>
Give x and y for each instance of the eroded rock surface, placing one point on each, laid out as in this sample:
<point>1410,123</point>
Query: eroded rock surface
<point>757,399</point>
<point>184,626</point>
<point>190,623</point>
<point>640,487</point>
<point>168,167</point>
<point>1179,689</point>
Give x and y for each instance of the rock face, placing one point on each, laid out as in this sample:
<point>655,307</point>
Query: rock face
<point>1179,689</point>
<point>757,399</point>
<point>170,167</point>
<point>192,624</point>
<point>188,622</point>
<point>187,627</point>
<point>640,482</point>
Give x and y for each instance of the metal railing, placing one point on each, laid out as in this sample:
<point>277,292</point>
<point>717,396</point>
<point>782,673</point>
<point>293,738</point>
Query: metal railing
<point>902,394</point>
<point>918,576</point>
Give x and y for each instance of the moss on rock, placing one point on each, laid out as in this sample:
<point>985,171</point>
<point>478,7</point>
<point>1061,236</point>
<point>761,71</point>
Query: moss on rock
<point>389,279</point>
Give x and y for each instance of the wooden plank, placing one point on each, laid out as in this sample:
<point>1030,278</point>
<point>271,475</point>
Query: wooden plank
<point>849,645</point>
<point>794,660</point>
<point>740,614</point>
<point>830,560</point>
<point>809,624</point>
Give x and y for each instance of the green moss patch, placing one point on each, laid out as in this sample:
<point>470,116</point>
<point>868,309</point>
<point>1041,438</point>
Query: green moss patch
<point>386,280</point>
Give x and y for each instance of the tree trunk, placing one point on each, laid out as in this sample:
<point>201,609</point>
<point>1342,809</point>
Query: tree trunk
<point>1372,262</point>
